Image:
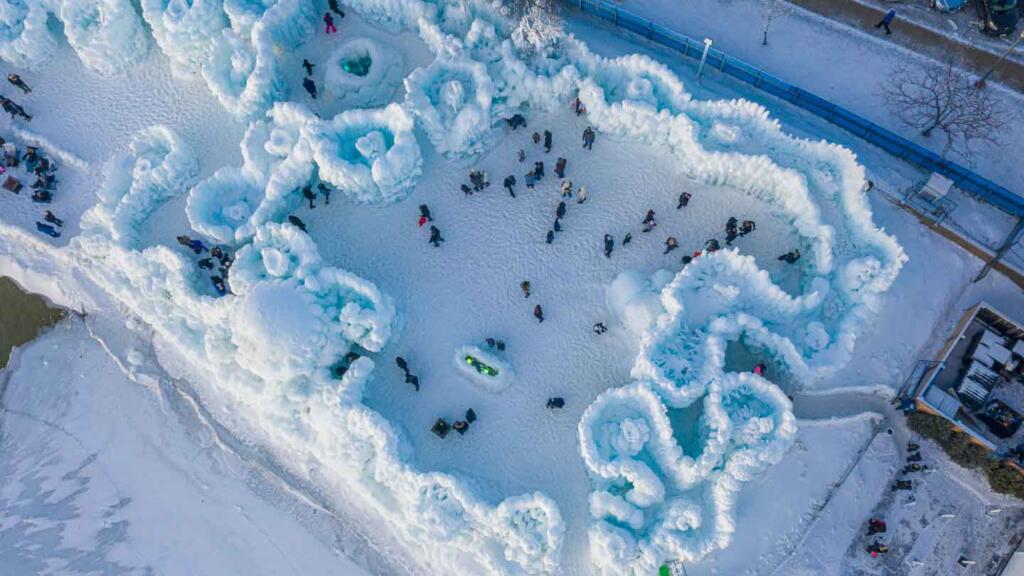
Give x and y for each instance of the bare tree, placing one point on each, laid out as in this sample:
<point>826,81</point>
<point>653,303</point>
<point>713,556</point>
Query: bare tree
<point>539,24</point>
<point>770,10</point>
<point>941,95</point>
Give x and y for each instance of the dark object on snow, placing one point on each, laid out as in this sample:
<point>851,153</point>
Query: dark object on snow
<point>547,141</point>
<point>550,237</point>
<point>687,259</point>
<point>648,221</point>
<point>435,236</point>
<point>915,467</point>
<point>470,416</point>
<point>538,313</point>
<point>521,155</point>
<point>627,238</point>
<point>197,246</point>
<point>441,428</point>
<point>329,27</point>
<point>747,227</point>
<point>206,263</point>
<point>711,245</point>
<point>684,199</point>
<point>560,167</point>
<point>461,426</point>
<point>12,108</point>
<point>886,21</point>
<point>902,485</point>
<point>538,170</point>
<point>49,217</point>
<point>218,285</point>
<point>308,65</point>
<point>16,80</point>
<point>47,229</point>
<point>402,364</point>
<point>307,193</point>
<point>333,5</point>
<point>913,447</point>
<point>12,184</point>
<point>425,212</point>
<point>525,287</point>
<point>609,245</point>
<point>516,121</point>
<point>466,190</point>
<point>536,138</point>
<point>326,191</point>
<point>877,548</point>
<point>295,221</point>
<point>790,257</point>
<point>600,328</point>
<point>556,402</point>
<point>965,562</point>
<point>915,457</point>
<point>876,526</point>
<point>414,380</point>
<point>560,211</point>
<point>671,244</point>
<point>510,183</point>
<point>732,230</point>
<point>42,196</point>
<point>588,138</point>
<point>310,87</point>
<point>558,224</point>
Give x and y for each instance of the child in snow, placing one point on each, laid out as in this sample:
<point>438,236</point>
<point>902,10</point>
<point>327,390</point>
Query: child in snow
<point>538,170</point>
<point>747,227</point>
<point>218,285</point>
<point>424,215</point>
<point>521,155</point>
<point>550,237</point>
<point>333,5</point>
<point>711,246</point>
<point>555,403</point>
<point>536,138</point>
<point>560,210</point>
<point>627,238</point>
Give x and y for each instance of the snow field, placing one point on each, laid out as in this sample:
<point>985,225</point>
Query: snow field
<point>270,347</point>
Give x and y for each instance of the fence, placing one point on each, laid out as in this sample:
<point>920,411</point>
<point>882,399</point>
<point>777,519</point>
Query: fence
<point>896,145</point>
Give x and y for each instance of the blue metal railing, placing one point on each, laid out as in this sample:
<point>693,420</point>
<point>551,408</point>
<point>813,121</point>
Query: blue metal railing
<point>896,145</point>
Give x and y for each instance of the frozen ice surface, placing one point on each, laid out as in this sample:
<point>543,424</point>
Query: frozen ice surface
<point>346,79</point>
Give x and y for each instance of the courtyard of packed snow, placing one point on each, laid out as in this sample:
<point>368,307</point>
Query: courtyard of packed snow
<point>668,445</point>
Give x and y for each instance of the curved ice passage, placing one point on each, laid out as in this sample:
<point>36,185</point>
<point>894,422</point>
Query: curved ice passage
<point>271,346</point>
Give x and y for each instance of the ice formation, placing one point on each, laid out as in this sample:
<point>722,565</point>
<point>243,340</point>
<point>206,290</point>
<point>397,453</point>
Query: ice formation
<point>362,72</point>
<point>484,369</point>
<point>106,34</point>
<point>274,346</point>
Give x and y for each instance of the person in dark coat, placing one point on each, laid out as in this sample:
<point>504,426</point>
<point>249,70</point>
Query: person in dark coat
<point>684,199</point>
<point>627,238</point>
<point>671,244</point>
<point>555,403</point>
<point>49,217</point>
<point>197,246</point>
<point>470,415</point>
<point>14,109</point>
<point>560,167</point>
<point>538,313</point>
<point>536,138</point>
<point>307,193</point>
<point>588,138</point>
<point>310,87</point>
<point>47,229</point>
<point>558,225</point>
<point>218,285</point>
<point>295,221</point>
<point>886,21</point>
<point>402,365</point>
<point>329,27</point>
<point>711,245</point>
<point>600,328</point>
<point>425,213</point>
<point>550,237</point>
<point>609,245</point>
<point>325,191</point>
<point>333,5</point>
<point>510,183</point>
<point>547,141</point>
<point>560,211</point>
<point>538,170</point>
<point>466,190</point>
<point>648,221</point>
<point>747,227</point>
<point>461,426</point>
<point>525,287</point>
<point>308,66</point>
<point>732,230</point>
<point>206,263</point>
<point>435,236</point>
<point>791,257</point>
<point>16,80</point>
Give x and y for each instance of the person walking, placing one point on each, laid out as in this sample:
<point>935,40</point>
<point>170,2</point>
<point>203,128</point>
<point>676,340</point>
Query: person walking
<point>588,138</point>
<point>648,221</point>
<point>747,227</point>
<point>307,193</point>
<point>329,27</point>
<point>560,210</point>
<point>525,287</point>
<point>560,167</point>
<point>547,141</point>
<point>333,5</point>
<point>550,237</point>
<point>310,86</point>
<point>566,189</point>
<point>435,236</point>
<point>581,195</point>
<point>791,257</point>
<point>538,313</point>
<point>16,80</point>
<point>521,155</point>
<point>627,238</point>
<point>609,245</point>
<point>530,179</point>
<point>510,183</point>
<point>308,66</point>
<point>684,200</point>
<point>325,190</point>
<point>425,215</point>
<point>49,217</point>
<point>886,21</point>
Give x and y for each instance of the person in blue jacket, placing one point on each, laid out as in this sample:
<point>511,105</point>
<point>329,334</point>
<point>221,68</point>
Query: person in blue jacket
<point>886,21</point>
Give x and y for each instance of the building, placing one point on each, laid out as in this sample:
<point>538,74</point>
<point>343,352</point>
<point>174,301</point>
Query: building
<point>977,383</point>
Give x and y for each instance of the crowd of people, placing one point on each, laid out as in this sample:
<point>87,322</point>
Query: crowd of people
<point>218,258</point>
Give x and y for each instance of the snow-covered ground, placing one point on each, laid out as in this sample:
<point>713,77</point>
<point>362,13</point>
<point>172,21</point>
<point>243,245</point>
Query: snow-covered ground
<point>106,470</point>
<point>676,457</point>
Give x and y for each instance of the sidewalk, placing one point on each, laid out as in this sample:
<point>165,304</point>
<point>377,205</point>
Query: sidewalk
<point>911,32</point>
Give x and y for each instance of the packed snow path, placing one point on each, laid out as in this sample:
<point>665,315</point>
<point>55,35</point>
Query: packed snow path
<point>666,455</point>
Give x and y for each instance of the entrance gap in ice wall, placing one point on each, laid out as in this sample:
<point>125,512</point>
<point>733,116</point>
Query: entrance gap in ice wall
<point>270,346</point>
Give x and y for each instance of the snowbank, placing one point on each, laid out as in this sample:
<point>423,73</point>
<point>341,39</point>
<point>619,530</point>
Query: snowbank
<point>362,72</point>
<point>452,101</point>
<point>25,41</point>
<point>107,35</point>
